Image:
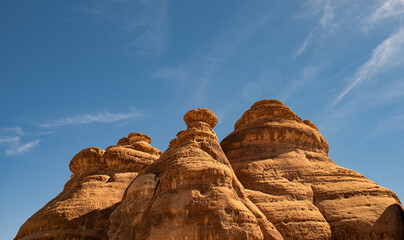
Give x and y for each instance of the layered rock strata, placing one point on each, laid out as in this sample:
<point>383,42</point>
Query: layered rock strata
<point>276,181</point>
<point>190,192</point>
<point>100,177</point>
<point>283,162</point>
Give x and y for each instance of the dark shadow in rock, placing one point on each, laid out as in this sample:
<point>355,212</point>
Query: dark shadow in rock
<point>90,226</point>
<point>391,222</point>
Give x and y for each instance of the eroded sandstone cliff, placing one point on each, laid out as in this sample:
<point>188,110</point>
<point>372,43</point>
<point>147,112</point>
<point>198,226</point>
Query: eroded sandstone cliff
<point>283,162</point>
<point>190,192</point>
<point>100,177</point>
<point>271,178</point>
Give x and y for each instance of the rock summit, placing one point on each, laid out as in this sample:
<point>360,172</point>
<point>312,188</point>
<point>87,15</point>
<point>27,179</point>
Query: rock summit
<point>271,178</point>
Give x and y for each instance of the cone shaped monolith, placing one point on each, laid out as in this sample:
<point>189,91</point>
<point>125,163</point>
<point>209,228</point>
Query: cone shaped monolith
<point>283,162</point>
<point>190,192</point>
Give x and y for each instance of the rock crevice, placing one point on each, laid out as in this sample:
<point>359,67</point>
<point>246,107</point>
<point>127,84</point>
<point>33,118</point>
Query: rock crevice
<point>283,162</point>
<point>270,179</point>
<point>198,195</point>
<point>100,177</point>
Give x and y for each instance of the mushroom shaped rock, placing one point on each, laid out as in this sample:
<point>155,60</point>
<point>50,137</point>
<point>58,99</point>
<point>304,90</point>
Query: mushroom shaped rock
<point>82,209</point>
<point>283,163</point>
<point>190,192</point>
<point>131,154</point>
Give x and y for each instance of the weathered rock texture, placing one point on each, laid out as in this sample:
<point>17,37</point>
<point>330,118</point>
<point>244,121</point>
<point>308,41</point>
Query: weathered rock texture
<point>276,181</point>
<point>100,177</point>
<point>283,162</point>
<point>190,192</point>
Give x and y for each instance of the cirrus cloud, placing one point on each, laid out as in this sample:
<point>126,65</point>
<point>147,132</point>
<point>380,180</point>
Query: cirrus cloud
<point>103,117</point>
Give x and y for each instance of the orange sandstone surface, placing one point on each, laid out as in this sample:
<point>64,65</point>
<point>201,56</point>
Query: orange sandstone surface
<point>271,178</point>
<point>283,162</point>
<point>100,177</point>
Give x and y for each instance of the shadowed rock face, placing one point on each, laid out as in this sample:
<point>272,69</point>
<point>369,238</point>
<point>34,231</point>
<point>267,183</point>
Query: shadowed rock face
<point>190,192</point>
<point>282,162</point>
<point>100,177</point>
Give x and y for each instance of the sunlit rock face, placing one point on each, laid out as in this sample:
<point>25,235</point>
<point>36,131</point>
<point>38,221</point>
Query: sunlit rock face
<point>100,177</point>
<point>271,179</point>
<point>190,192</point>
<point>283,163</point>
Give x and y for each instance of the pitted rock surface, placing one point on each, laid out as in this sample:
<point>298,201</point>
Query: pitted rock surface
<point>271,178</point>
<point>283,162</point>
<point>100,177</point>
<point>190,192</point>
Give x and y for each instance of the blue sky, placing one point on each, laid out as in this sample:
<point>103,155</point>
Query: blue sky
<point>77,74</point>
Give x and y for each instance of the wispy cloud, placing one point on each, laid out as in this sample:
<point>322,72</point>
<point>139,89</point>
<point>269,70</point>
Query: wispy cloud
<point>11,140</point>
<point>311,8</point>
<point>6,139</point>
<point>179,74</point>
<point>200,68</point>
<point>346,16</point>
<point>16,141</point>
<point>308,74</point>
<point>304,44</point>
<point>142,25</point>
<point>380,95</point>
<point>387,55</point>
<point>386,9</point>
<point>375,82</point>
<point>327,15</point>
<point>391,124</point>
<point>19,148</point>
<point>13,130</point>
<point>103,117</point>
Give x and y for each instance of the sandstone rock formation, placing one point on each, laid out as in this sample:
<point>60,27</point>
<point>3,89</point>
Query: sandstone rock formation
<point>283,162</point>
<point>190,192</point>
<point>100,177</point>
<point>271,178</point>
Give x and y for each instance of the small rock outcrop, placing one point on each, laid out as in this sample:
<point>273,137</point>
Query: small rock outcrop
<point>283,163</point>
<point>190,192</point>
<point>100,177</point>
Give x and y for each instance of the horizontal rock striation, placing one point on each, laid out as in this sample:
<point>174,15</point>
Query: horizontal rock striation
<point>283,163</point>
<point>100,177</point>
<point>190,192</point>
<point>270,179</point>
